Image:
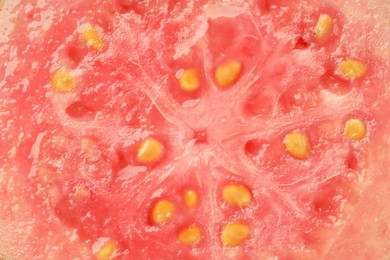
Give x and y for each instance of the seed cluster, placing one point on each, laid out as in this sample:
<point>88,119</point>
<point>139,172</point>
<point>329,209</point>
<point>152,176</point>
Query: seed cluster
<point>232,234</point>
<point>151,150</point>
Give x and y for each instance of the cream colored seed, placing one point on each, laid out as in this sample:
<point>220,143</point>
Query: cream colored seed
<point>150,150</point>
<point>237,195</point>
<point>46,173</point>
<point>352,68</point>
<point>81,192</point>
<point>355,129</point>
<point>234,234</point>
<point>189,80</point>
<point>190,198</point>
<point>324,26</point>
<point>93,39</point>
<point>107,251</point>
<point>190,236</point>
<point>90,150</point>
<point>297,145</point>
<point>227,73</point>
<point>163,211</point>
<point>63,81</point>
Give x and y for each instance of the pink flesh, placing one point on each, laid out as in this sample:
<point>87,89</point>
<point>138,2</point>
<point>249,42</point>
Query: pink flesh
<point>211,137</point>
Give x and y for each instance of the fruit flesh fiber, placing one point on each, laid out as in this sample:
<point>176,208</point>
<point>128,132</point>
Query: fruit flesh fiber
<point>50,218</point>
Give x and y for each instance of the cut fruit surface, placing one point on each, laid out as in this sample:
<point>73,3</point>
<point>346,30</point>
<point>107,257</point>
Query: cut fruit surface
<point>194,129</point>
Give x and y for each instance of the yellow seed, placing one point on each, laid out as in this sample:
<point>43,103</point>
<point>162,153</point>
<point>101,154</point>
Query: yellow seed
<point>163,211</point>
<point>227,73</point>
<point>107,251</point>
<point>297,145</point>
<point>352,68</point>
<point>190,198</point>
<point>234,234</point>
<point>236,195</point>
<point>355,129</point>
<point>93,39</point>
<point>63,81</point>
<point>190,236</point>
<point>189,80</point>
<point>324,26</point>
<point>150,150</point>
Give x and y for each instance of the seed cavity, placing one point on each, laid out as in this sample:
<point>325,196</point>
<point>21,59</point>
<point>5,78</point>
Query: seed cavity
<point>227,73</point>
<point>92,38</point>
<point>190,236</point>
<point>234,234</point>
<point>301,44</point>
<point>107,251</point>
<point>150,150</point>
<point>78,110</point>
<point>352,68</point>
<point>236,194</point>
<point>63,81</point>
<point>297,144</point>
<point>190,198</point>
<point>254,147</point>
<point>163,211</point>
<point>189,80</point>
<point>355,129</point>
<point>324,26</point>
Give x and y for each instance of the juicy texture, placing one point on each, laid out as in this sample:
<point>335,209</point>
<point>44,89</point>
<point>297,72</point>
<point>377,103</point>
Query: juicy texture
<point>109,150</point>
